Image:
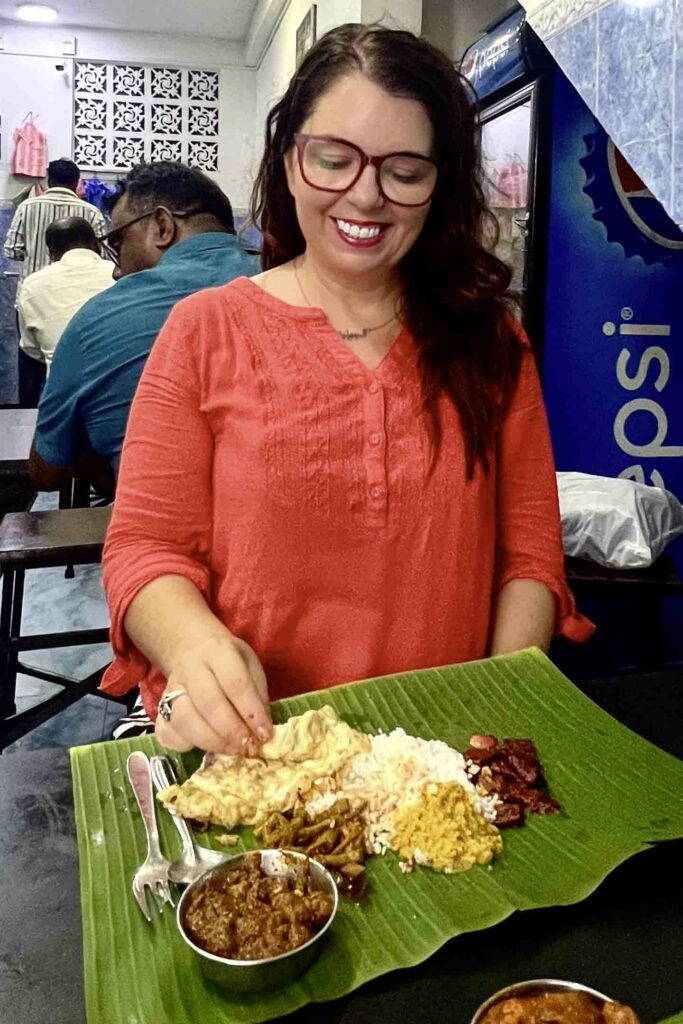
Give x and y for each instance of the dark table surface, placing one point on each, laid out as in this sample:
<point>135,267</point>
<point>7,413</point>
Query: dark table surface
<point>17,427</point>
<point>626,939</point>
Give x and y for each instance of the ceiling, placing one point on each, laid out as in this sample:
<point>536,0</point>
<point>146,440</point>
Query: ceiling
<point>219,19</point>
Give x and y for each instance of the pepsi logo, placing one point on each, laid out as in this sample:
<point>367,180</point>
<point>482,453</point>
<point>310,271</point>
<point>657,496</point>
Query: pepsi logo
<point>632,216</point>
<point>641,206</point>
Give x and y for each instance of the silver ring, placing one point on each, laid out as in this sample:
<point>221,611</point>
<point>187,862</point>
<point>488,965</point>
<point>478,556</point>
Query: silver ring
<point>166,703</point>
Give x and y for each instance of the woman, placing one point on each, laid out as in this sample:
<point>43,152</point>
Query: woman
<point>340,468</point>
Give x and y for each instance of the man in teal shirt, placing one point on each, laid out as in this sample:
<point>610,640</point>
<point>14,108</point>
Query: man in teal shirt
<point>172,234</point>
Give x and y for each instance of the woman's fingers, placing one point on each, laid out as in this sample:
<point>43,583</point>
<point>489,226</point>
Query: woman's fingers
<point>256,670</point>
<point>218,712</point>
<point>224,708</point>
<point>169,737</point>
<point>224,705</point>
<point>234,671</point>
<point>187,729</point>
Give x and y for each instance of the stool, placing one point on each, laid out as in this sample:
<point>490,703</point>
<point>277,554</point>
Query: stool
<point>646,586</point>
<point>36,540</point>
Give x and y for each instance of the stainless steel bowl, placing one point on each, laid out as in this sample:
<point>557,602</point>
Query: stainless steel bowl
<point>537,987</point>
<point>261,975</point>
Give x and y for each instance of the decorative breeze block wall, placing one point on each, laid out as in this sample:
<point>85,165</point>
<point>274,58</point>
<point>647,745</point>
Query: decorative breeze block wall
<point>125,113</point>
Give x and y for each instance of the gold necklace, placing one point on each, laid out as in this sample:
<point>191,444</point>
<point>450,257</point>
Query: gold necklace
<point>345,335</point>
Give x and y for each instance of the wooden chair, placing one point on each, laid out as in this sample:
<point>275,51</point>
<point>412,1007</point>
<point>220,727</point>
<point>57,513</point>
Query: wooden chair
<point>35,540</point>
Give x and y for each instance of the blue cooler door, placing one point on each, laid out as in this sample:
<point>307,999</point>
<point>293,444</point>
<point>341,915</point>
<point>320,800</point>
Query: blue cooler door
<point>613,365</point>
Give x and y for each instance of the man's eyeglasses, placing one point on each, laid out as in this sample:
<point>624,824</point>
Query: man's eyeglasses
<point>111,242</point>
<point>335,165</point>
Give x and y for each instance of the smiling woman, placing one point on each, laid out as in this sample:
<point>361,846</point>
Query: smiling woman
<point>341,468</point>
<point>395,102</point>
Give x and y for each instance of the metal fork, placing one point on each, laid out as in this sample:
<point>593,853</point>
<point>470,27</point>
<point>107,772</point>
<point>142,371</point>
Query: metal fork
<point>195,859</point>
<point>152,874</point>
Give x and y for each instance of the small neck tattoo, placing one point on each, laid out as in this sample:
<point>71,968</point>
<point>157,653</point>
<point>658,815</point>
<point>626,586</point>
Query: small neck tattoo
<point>346,335</point>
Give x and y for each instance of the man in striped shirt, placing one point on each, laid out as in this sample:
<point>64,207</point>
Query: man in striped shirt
<point>26,236</point>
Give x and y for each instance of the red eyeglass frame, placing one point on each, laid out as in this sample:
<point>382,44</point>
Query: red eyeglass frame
<point>301,139</point>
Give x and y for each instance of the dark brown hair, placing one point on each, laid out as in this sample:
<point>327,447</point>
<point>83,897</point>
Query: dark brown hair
<point>455,291</point>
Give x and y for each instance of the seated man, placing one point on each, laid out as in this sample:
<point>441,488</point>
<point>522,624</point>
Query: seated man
<point>172,234</point>
<point>48,299</point>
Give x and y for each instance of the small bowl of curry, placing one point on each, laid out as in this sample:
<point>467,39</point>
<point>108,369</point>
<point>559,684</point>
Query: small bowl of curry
<point>257,920</point>
<point>544,999</point>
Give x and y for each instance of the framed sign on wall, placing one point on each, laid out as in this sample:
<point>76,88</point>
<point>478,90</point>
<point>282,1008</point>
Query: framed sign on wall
<point>306,34</point>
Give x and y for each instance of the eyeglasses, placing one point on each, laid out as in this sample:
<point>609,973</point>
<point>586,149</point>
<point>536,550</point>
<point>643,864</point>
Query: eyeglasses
<point>335,165</point>
<point>111,242</point>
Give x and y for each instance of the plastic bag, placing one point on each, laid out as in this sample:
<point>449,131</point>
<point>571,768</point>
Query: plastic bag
<point>617,523</point>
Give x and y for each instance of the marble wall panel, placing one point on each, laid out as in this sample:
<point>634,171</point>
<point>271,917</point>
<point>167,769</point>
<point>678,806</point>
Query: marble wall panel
<point>625,57</point>
<point>576,47</point>
<point>635,96</point>
<point>677,119</point>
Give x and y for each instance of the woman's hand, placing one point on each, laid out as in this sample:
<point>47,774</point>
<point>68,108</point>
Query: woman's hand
<point>224,709</point>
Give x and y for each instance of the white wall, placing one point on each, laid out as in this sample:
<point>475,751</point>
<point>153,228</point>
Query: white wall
<point>472,18</point>
<point>453,25</point>
<point>32,83</point>
<point>403,14</point>
<point>108,44</point>
<point>29,81</point>
<point>438,24</point>
<point>277,66</point>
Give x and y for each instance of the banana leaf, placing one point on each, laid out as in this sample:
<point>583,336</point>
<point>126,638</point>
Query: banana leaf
<point>619,794</point>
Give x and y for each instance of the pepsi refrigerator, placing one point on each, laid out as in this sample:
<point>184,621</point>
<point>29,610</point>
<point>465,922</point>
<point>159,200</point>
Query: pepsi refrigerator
<point>599,268</point>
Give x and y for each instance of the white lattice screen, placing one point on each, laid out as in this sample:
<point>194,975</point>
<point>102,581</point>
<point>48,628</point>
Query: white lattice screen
<point>125,113</point>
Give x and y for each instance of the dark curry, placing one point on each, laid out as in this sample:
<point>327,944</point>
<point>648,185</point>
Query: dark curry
<point>243,914</point>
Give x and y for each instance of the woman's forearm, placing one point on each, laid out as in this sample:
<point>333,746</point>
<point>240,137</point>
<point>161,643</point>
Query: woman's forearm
<point>167,617</point>
<point>524,617</point>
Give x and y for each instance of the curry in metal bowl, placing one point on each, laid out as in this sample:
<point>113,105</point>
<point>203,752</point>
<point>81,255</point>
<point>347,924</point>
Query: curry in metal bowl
<point>545,1001</point>
<point>243,913</point>
<point>257,920</point>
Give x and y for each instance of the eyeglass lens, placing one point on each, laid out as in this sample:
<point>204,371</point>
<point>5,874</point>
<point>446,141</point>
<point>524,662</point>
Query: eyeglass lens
<point>332,165</point>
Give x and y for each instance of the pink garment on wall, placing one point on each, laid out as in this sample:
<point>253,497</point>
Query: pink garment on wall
<point>513,186</point>
<point>30,151</point>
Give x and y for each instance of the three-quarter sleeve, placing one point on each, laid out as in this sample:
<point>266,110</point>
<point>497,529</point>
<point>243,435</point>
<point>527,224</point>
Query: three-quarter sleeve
<point>529,531</point>
<point>162,518</point>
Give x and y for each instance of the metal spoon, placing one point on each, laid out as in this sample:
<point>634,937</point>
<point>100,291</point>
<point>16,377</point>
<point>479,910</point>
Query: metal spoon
<point>194,859</point>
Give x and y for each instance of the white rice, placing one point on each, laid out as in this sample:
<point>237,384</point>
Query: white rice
<point>391,776</point>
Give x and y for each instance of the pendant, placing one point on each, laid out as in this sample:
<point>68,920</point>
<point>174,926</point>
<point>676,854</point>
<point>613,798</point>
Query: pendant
<point>353,335</point>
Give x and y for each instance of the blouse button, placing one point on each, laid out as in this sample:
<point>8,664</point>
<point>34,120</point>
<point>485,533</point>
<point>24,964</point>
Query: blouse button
<point>376,492</point>
<point>375,439</point>
<point>374,388</point>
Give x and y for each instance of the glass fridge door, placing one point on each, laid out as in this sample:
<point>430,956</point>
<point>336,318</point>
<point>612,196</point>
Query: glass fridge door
<point>508,157</point>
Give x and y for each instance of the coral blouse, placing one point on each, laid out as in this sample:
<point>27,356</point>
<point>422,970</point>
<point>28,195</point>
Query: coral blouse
<point>264,462</point>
